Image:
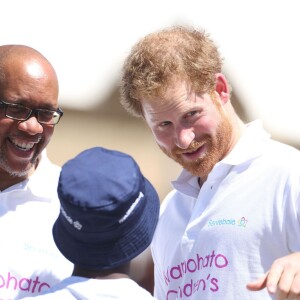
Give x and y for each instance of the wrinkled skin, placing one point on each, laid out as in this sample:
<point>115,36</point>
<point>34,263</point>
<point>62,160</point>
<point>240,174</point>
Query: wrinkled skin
<point>26,78</point>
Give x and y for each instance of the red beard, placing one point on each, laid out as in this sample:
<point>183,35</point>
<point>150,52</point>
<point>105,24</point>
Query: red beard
<point>218,147</point>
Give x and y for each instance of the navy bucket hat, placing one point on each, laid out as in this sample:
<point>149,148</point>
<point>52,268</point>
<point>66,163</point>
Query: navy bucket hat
<point>109,210</point>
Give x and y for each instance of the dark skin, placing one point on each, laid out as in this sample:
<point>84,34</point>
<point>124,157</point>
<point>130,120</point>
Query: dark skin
<point>27,78</point>
<point>140,269</point>
<point>115,273</point>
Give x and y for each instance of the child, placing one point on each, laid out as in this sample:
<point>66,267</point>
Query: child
<point>108,215</point>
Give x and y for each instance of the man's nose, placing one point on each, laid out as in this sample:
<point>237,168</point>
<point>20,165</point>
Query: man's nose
<point>184,137</point>
<point>31,125</point>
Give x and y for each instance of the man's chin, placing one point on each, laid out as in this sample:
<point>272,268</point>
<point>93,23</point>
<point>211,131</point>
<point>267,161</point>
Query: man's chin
<point>195,170</point>
<point>191,166</point>
<point>198,167</point>
<point>19,173</point>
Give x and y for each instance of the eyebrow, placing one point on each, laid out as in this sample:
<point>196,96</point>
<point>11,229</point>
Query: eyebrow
<point>23,102</point>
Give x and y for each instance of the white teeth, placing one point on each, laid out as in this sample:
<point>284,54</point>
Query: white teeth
<point>22,145</point>
<point>192,151</point>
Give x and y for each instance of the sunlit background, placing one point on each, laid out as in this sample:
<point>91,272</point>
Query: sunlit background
<point>87,41</point>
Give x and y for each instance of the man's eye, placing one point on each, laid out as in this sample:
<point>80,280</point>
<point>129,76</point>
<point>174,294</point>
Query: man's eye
<point>47,115</point>
<point>164,124</point>
<point>190,114</point>
<point>16,109</point>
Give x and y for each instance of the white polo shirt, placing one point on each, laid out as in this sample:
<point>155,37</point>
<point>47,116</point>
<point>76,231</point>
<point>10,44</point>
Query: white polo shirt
<point>30,263</point>
<point>210,243</point>
<point>74,288</point>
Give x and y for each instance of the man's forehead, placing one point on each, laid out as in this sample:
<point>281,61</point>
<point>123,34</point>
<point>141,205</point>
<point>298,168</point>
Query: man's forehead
<point>155,109</point>
<point>179,89</point>
<point>35,69</point>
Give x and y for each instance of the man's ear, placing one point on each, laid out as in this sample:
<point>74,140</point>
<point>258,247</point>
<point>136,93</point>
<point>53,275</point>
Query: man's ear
<point>222,88</point>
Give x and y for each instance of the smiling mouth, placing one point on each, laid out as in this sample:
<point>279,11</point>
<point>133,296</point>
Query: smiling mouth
<point>22,145</point>
<point>195,152</point>
<point>191,152</point>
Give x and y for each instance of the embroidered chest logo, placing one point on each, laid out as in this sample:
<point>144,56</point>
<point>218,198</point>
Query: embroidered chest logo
<point>242,222</point>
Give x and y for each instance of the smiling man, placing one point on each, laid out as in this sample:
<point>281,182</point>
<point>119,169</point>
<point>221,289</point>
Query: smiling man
<point>30,261</point>
<point>230,227</point>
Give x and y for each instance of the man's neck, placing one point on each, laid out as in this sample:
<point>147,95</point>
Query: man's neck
<point>8,181</point>
<point>116,273</point>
